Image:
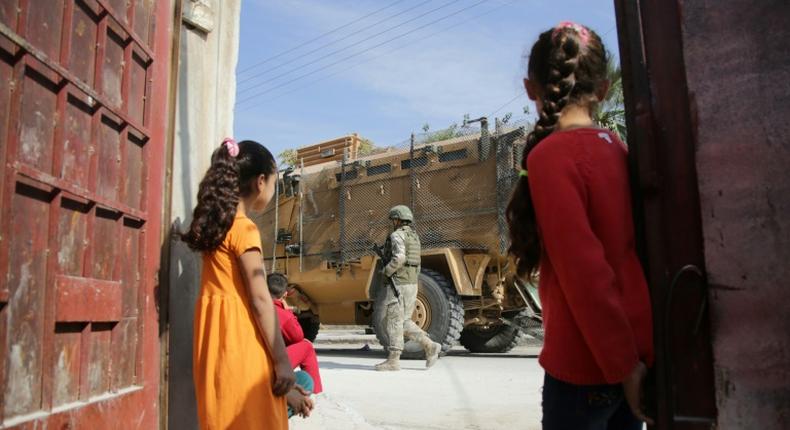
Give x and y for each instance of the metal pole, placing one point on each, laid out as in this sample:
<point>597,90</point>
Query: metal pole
<point>413,175</point>
<point>276,219</point>
<point>301,212</point>
<point>342,206</point>
<point>503,175</point>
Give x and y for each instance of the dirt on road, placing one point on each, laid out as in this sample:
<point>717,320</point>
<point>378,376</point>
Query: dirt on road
<point>462,391</point>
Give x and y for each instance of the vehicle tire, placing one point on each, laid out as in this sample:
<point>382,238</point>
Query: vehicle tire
<point>496,339</point>
<point>439,312</point>
<point>310,325</point>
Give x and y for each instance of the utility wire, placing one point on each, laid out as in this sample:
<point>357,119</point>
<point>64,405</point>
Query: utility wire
<point>334,30</point>
<point>518,96</point>
<point>359,42</point>
<point>405,45</point>
<point>360,52</point>
<point>291,61</point>
<point>521,91</point>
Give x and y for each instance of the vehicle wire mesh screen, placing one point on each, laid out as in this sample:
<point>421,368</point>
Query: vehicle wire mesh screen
<point>458,189</point>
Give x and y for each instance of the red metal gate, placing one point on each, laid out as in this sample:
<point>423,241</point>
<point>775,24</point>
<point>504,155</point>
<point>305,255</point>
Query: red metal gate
<point>82,120</point>
<point>661,146</point>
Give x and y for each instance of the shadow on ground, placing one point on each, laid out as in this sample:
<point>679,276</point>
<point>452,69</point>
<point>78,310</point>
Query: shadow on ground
<point>379,353</point>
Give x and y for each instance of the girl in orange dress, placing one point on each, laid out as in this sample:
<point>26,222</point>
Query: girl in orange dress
<point>240,365</point>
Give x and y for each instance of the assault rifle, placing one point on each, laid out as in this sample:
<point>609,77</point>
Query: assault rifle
<point>384,260</point>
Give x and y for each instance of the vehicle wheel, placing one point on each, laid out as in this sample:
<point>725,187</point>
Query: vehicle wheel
<point>439,312</point>
<point>310,325</point>
<point>500,338</point>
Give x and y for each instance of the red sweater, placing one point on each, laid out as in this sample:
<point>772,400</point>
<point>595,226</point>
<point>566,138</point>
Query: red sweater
<point>596,306</point>
<point>289,325</point>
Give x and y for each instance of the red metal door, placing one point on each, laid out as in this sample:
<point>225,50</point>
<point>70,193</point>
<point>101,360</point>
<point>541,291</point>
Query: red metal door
<point>82,121</point>
<point>661,151</point>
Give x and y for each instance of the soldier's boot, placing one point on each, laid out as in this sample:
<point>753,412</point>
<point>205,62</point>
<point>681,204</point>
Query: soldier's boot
<point>432,350</point>
<point>392,362</point>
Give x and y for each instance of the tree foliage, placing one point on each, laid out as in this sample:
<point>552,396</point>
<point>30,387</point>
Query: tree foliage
<point>444,134</point>
<point>366,147</point>
<point>611,112</point>
<point>288,158</point>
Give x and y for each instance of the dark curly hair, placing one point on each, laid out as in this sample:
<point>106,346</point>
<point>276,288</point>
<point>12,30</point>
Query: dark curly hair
<point>278,284</point>
<point>569,72</point>
<point>227,180</point>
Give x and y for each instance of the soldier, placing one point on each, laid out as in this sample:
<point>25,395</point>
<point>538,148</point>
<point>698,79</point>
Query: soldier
<point>395,304</point>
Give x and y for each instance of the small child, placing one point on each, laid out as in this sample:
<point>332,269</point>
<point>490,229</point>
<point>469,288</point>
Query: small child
<point>570,218</point>
<point>300,350</point>
<point>241,369</point>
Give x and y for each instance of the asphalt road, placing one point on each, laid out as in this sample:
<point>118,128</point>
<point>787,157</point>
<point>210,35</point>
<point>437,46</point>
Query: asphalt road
<point>462,391</point>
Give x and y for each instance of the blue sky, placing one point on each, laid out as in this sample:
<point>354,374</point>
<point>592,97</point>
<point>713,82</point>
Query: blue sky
<point>448,58</point>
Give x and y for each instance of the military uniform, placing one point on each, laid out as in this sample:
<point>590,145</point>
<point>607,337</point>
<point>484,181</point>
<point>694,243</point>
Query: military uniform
<point>397,298</point>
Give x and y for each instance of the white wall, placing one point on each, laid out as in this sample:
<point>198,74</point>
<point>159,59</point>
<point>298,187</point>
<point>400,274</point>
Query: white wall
<point>204,116</point>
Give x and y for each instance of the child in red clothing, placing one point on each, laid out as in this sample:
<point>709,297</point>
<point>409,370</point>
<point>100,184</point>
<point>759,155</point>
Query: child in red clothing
<point>300,350</point>
<point>570,214</point>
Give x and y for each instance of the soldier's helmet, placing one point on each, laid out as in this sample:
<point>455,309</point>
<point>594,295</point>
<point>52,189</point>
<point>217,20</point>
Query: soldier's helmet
<point>402,213</point>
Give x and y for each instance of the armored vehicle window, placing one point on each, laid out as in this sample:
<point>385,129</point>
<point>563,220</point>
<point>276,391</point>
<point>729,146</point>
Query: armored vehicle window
<point>351,174</point>
<point>418,162</point>
<point>458,154</point>
<point>377,170</point>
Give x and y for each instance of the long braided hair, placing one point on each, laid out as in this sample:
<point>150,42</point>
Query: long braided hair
<point>234,167</point>
<point>569,63</point>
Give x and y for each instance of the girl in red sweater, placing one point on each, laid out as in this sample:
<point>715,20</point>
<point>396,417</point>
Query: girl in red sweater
<point>570,219</point>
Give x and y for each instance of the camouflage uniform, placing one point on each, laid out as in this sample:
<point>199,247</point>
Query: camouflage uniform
<point>394,310</point>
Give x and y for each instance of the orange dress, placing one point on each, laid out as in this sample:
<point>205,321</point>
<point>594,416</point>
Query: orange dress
<point>232,368</point>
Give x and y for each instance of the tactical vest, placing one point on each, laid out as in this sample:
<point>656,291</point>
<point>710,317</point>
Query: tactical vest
<point>410,270</point>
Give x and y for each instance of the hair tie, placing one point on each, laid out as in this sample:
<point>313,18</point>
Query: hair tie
<point>580,30</point>
<point>233,147</point>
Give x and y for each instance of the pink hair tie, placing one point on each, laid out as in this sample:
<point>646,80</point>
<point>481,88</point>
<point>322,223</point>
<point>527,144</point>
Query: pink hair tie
<point>580,30</point>
<point>233,147</point>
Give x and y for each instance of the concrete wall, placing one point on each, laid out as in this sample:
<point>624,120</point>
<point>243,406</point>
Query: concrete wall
<point>738,71</point>
<point>204,116</point>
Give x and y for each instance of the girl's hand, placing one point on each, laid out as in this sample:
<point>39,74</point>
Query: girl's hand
<point>284,378</point>
<point>300,402</point>
<point>634,390</point>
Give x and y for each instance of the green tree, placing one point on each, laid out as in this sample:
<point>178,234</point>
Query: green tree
<point>366,147</point>
<point>611,112</point>
<point>445,134</point>
<point>288,158</point>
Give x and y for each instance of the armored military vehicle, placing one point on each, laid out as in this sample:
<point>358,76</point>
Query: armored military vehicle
<point>331,210</point>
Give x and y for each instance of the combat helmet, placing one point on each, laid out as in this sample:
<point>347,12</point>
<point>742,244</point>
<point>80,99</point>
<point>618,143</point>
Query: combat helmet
<point>402,213</point>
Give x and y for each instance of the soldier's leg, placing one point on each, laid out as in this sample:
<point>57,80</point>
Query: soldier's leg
<point>394,325</point>
<point>392,317</point>
<point>409,302</point>
<point>380,317</point>
<point>412,331</point>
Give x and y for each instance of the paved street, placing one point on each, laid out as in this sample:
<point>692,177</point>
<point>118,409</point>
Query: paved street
<point>463,391</point>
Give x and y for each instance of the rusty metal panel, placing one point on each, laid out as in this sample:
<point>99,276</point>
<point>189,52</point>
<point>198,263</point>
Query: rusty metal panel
<point>139,86</point>
<point>66,365</point>
<point>37,121</point>
<point>83,299</point>
<point>80,184</point>
<point>85,27</point>
<point>133,177</point>
<point>8,12</point>
<point>43,22</point>
<point>78,119</point>
<point>26,297</point>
